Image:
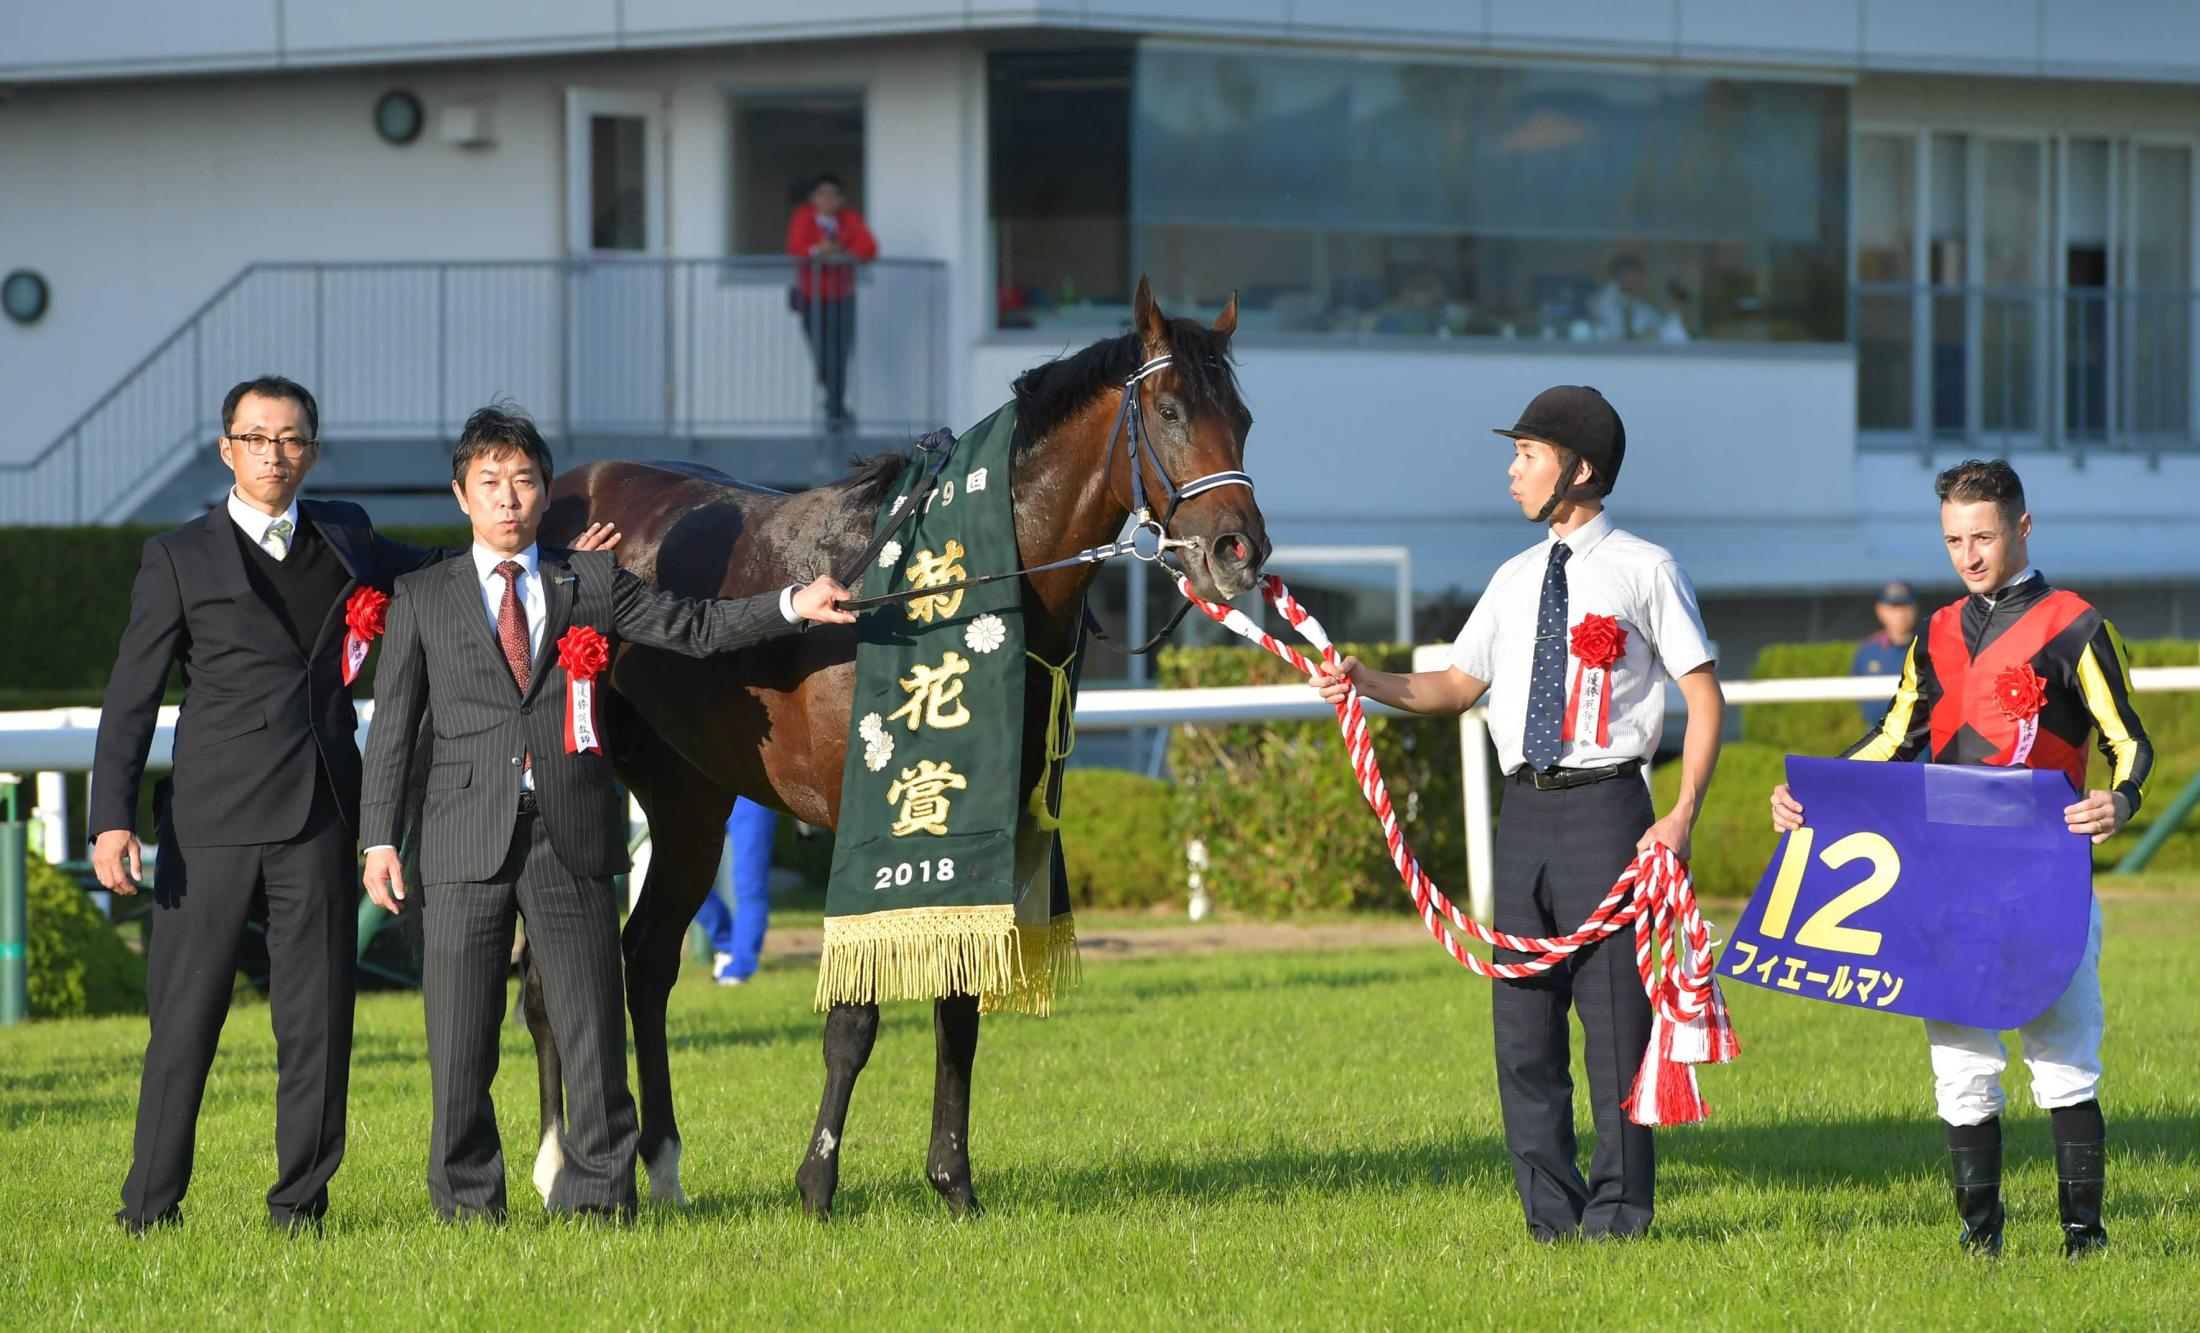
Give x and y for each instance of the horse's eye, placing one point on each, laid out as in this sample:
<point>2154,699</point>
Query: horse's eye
<point>1168,413</point>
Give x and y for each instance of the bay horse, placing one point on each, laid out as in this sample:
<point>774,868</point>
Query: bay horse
<point>771,722</point>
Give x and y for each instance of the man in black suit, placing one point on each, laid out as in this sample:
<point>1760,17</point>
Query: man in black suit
<point>522,817</point>
<point>250,599</point>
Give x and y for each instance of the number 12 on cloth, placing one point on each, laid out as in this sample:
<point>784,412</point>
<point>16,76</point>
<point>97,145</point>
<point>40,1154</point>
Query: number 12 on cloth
<point>1932,890</point>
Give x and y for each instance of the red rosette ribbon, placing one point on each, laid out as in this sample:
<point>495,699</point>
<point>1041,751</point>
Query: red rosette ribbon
<point>584,653</point>
<point>1598,643</point>
<point>2021,693</point>
<point>364,614</point>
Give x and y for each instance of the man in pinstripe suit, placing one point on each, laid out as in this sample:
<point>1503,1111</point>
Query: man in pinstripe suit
<point>514,823</point>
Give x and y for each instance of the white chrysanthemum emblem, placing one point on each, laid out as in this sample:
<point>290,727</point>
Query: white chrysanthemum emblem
<point>888,554</point>
<point>985,634</point>
<point>871,727</point>
<point>878,751</point>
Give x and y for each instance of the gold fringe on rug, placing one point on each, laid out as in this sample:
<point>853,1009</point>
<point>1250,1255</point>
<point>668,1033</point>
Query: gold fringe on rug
<point>1048,965</point>
<point>924,953</point>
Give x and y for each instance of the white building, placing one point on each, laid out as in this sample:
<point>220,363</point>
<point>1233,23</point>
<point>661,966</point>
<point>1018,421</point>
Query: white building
<point>1813,251</point>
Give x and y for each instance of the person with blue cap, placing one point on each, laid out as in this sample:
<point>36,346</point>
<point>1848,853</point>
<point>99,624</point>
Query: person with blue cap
<point>1884,653</point>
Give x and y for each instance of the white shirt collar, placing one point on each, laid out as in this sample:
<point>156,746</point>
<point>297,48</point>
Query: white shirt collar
<point>486,561</point>
<point>2030,571</point>
<point>255,524</point>
<point>1584,539</point>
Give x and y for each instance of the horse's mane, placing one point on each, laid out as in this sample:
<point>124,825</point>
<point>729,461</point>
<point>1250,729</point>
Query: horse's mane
<point>1050,392</point>
<point>1047,394</point>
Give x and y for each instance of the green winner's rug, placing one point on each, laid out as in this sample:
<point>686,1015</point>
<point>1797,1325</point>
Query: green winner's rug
<point>928,895</point>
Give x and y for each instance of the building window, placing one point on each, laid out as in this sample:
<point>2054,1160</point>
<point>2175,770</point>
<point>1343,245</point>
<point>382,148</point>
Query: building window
<point>2050,304</point>
<point>1060,129</point>
<point>1376,197</point>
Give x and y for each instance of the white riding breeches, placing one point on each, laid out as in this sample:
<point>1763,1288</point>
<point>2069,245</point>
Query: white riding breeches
<point>2062,1048</point>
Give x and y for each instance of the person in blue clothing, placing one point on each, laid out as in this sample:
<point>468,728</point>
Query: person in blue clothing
<point>1883,653</point>
<point>736,929</point>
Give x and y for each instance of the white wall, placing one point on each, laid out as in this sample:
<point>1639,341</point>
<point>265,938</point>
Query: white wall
<point>2121,39</point>
<point>137,202</point>
<point>1395,445</point>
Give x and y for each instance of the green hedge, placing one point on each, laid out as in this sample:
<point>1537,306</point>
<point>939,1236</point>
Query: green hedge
<point>68,598</point>
<point>78,965</point>
<point>1276,803</point>
<point>1120,839</point>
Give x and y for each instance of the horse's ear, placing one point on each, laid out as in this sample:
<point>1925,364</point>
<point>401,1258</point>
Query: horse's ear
<point>1147,318</point>
<point>1226,323</point>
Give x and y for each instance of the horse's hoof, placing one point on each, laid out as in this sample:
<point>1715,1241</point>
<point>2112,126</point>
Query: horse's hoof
<point>664,1176</point>
<point>816,1181</point>
<point>963,1207</point>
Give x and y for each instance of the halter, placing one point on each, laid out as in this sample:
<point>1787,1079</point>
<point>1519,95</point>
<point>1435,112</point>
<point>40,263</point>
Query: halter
<point>1149,538</point>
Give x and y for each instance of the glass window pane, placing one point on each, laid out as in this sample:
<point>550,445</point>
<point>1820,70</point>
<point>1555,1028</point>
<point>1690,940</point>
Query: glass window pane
<point>2159,323</point>
<point>1059,127</point>
<point>2085,304</point>
<point>1380,197</point>
<point>1951,209</point>
<point>1884,377</point>
<point>2013,207</point>
<point>1886,208</point>
<point>618,172</point>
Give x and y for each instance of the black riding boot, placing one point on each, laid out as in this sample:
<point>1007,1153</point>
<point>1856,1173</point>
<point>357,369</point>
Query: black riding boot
<point>1974,1162</point>
<point>2081,1153</point>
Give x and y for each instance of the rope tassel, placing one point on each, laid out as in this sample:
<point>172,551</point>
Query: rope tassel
<point>1674,953</point>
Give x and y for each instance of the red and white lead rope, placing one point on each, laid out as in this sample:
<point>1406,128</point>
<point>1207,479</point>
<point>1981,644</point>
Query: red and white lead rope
<point>1689,1025</point>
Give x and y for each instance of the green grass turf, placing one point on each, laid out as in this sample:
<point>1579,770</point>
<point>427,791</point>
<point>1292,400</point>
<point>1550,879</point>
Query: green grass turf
<point>1300,1139</point>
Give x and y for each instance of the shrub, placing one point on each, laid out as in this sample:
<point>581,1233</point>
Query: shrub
<point>1279,810</point>
<point>1733,838</point>
<point>1119,839</point>
<point>78,965</point>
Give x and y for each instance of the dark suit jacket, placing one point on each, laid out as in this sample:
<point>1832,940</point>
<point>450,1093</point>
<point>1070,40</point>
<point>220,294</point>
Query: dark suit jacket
<point>258,713</point>
<point>442,657</point>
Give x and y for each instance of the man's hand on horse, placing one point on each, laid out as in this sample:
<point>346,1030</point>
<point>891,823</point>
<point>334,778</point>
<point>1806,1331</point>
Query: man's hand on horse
<point>598,537</point>
<point>118,861</point>
<point>385,879</point>
<point>820,601</point>
<point>1332,681</point>
<point>2097,815</point>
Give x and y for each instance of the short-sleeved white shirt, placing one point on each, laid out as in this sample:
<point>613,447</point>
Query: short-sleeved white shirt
<point>1612,573</point>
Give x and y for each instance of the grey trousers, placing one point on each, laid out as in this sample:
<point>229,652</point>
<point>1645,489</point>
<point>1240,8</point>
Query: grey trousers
<point>573,935</point>
<point>1557,854</point>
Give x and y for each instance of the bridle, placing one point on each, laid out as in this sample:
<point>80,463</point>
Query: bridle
<point>1148,540</point>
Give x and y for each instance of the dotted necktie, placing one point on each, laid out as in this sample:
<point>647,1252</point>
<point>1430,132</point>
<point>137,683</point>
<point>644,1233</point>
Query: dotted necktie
<point>512,627</point>
<point>277,541</point>
<point>1539,745</point>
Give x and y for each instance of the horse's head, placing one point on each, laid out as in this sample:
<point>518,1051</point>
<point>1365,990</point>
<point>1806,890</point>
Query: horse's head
<point>1197,423</point>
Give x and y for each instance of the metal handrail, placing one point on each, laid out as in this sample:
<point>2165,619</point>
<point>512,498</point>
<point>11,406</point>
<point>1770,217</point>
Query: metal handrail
<point>624,355</point>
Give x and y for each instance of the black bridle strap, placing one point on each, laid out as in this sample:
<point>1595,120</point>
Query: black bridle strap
<point>1130,427</point>
<point>942,440</point>
<point>1092,627</point>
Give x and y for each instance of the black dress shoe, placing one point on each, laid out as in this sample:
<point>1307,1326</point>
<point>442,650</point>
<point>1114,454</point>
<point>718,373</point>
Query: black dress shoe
<point>138,1226</point>
<point>620,1215</point>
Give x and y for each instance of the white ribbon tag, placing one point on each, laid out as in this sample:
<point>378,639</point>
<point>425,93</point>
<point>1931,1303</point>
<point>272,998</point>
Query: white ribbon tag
<point>580,722</point>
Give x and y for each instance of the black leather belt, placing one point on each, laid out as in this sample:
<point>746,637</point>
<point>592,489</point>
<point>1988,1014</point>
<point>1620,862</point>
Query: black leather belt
<point>1558,779</point>
<point>528,805</point>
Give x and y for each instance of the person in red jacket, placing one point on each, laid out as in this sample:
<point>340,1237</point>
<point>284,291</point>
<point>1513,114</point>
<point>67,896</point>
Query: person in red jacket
<point>830,239</point>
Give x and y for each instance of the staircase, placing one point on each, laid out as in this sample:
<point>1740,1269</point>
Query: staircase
<point>697,359</point>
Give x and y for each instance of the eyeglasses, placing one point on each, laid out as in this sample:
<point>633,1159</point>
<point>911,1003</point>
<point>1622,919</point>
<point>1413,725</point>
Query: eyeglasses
<point>257,445</point>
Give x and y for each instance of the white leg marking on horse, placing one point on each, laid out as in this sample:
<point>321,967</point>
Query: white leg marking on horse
<point>826,1143</point>
<point>664,1176</point>
<point>549,1163</point>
